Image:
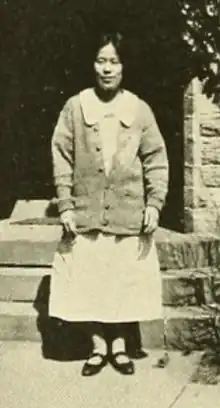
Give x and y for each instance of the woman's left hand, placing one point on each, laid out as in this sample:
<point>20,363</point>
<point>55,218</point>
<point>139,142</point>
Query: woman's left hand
<point>151,219</point>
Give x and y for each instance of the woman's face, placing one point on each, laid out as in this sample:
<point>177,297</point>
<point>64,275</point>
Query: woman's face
<point>108,68</point>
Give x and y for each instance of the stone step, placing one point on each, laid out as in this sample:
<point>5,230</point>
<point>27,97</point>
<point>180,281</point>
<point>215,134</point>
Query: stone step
<point>22,283</point>
<point>180,287</point>
<point>193,286</point>
<point>181,327</point>
<point>35,245</point>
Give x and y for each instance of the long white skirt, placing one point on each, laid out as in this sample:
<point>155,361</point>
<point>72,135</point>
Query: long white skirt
<point>106,278</point>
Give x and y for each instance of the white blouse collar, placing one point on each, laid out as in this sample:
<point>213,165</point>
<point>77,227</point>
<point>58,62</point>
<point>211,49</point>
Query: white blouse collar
<point>126,111</point>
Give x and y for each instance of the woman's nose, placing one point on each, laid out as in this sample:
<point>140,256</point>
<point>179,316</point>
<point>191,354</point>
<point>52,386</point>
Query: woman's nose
<point>107,67</point>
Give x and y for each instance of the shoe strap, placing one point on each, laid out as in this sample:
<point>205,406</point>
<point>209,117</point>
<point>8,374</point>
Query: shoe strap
<point>120,354</point>
<point>96,354</point>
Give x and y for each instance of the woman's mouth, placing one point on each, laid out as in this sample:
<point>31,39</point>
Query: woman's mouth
<point>107,79</point>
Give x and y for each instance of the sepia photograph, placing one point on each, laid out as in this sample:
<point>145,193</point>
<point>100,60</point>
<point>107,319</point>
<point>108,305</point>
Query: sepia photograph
<point>110,203</point>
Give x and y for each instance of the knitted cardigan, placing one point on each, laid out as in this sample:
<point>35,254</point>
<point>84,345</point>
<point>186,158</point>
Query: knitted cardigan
<point>139,174</point>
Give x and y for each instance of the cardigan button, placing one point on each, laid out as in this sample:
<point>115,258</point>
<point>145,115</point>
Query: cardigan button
<point>105,222</point>
<point>98,148</point>
<point>107,206</point>
<point>101,170</point>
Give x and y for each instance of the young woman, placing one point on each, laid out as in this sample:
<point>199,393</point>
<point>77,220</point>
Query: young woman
<point>111,175</point>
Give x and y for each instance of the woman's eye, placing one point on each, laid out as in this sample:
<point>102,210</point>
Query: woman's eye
<point>115,61</point>
<point>100,60</point>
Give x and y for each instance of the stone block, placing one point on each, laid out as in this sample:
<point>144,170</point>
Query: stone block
<point>188,290</point>
<point>179,292</point>
<point>192,151</point>
<point>191,129</point>
<point>191,253</point>
<point>193,329</point>
<point>192,176</point>
<point>189,220</point>
<point>189,103</point>
<point>210,130</point>
<point>202,220</point>
<point>194,197</point>
<point>23,284</point>
<point>214,253</point>
<point>190,197</point>
<point>211,175</point>
<point>210,197</point>
<point>18,322</point>
<point>210,150</point>
<point>33,245</point>
<point>209,117</point>
<point>209,112</point>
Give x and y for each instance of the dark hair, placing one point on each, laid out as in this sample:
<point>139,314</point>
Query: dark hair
<point>116,39</point>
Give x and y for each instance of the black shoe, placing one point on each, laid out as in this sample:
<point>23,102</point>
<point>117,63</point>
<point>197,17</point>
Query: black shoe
<point>125,368</point>
<point>90,368</point>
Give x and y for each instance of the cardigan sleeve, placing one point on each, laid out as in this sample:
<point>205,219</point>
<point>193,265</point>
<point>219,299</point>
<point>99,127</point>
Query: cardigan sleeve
<point>62,147</point>
<point>153,154</point>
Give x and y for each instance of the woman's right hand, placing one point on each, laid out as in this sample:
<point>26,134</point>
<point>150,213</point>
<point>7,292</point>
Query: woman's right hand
<point>67,219</point>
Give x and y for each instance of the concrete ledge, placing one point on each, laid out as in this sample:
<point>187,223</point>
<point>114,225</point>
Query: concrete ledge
<point>180,287</point>
<point>182,326</point>
<point>35,246</point>
<point>21,284</point>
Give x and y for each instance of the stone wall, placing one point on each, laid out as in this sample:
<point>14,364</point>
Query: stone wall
<point>192,157</point>
<point>209,114</point>
<point>202,162</point>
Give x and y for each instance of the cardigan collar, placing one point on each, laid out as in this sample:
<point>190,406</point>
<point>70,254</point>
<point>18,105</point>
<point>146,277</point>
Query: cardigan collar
<point>125,111</point>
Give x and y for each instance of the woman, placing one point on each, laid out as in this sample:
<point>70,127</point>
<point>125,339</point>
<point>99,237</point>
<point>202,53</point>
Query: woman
<point>111,175</point>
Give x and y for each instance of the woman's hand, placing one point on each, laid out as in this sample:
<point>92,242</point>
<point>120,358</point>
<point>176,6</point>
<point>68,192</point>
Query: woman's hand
<point>68,221</point>
<point>151,219</point>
